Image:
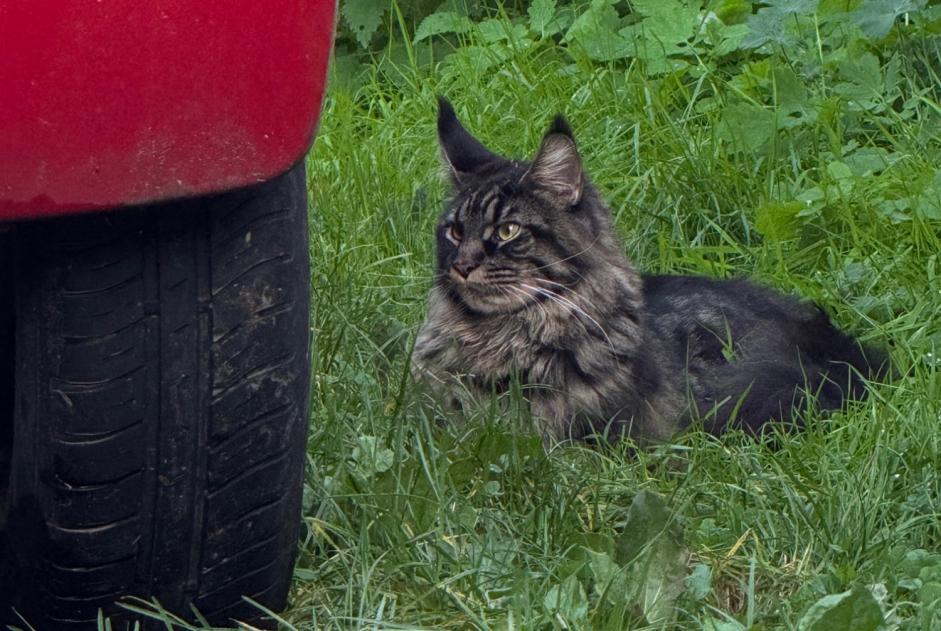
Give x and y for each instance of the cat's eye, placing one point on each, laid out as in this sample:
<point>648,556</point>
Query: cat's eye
<point>508,230</point>
<point>455,232</point>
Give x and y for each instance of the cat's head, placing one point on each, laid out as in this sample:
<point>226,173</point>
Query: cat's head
<point>514,232</point>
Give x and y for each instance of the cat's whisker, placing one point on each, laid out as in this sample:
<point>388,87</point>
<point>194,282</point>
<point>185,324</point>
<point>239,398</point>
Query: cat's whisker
<point>507,290</point>
<point>552,282</point>
<point>570,257</point>
<point>567,288</point>
<point>548,293</point>
<point>525,299</point>
<point>571,291</point>
<point>554,297</point>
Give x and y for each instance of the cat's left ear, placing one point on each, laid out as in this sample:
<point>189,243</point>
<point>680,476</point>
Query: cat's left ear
<point>463,154</point>
<point>557,168</point>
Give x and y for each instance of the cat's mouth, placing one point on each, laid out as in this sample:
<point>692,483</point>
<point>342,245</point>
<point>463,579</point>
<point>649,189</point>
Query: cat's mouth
<point>487,295</point>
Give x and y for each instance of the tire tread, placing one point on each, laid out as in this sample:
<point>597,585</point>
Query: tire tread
<point>162,431</point>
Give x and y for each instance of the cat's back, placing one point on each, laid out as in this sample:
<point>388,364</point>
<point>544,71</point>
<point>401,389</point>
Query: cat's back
<point>733,310</point>
<point>751,321</point>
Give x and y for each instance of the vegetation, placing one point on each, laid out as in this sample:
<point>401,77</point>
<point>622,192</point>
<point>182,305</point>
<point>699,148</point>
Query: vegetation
<point>793,141</point>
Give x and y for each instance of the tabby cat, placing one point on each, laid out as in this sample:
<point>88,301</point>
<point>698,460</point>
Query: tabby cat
<point>532,284</point>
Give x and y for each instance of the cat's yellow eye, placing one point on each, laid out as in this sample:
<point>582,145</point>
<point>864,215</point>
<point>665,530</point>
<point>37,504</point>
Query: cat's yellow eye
<point>455,232</point>
<point>508,230</point>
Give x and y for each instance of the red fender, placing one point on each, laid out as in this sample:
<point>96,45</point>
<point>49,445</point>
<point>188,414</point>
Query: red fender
<point>105,103</point>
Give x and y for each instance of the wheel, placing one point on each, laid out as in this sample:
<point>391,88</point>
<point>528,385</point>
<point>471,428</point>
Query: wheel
<point>162,398</point>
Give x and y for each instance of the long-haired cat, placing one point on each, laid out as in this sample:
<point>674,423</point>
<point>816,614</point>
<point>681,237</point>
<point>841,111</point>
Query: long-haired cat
<point>532,284</point>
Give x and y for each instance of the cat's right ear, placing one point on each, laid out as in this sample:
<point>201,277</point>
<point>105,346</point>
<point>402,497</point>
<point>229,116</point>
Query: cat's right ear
<point>557,168</point>
<point>463,154</point>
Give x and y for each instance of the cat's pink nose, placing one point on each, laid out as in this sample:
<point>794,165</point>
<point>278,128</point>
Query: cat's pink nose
<point>464,268</point>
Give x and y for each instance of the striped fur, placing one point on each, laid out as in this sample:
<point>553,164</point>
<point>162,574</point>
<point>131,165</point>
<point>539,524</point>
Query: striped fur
<point>597,346</point>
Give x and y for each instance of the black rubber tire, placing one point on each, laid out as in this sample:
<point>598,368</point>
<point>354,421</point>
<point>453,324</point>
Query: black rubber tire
<point>6,378</point>
<point>162,398</point>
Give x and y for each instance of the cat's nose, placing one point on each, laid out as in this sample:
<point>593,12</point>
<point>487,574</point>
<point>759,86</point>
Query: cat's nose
<point>464,267</point>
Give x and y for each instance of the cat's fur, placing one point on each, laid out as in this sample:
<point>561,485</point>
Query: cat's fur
<point>596,346</point>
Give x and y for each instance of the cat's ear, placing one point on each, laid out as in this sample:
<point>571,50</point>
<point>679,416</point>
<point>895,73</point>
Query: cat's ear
<point>463,154</point>
<point>557,168</point>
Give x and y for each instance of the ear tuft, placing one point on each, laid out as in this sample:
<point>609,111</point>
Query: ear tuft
<point>557,168</point>
<point>447,119</point>
<point>561,126</point>
<point>463,154</point>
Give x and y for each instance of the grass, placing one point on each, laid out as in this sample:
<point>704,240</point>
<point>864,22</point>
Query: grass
<point>411,524</point>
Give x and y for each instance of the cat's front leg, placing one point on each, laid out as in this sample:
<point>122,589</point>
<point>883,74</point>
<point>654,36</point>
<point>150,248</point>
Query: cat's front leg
<point>430,363</point>
<point>437,368</point>
<point>552,414</point>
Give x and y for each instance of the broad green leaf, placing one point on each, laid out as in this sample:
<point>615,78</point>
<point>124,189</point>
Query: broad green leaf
<point>812,200</point>
<point>746,126</point>
<point>594,541</point>
<point>699,582</point>
<point>668,30</point>
<point>595,31</point>
<point>864,84</point>
<point>789,92</point>
<point>647,518</point>
<point>610,579</point>
<point>875,18</point>
<point>839,171</point>
<point>730,39</point>
<point>541,13</point>
<point>472,60</point>
<point>651,544</point>
<point>670,23</point>
<point>837,8</point>
<point>664,581</point>
<point>775,22</point>
<point>928,204</point>
<point>304,574</point>
<point>442,23</point>
<point>732,11</point>
<point>930,591</point>
<point>371,457</point>
<point>567,600</point>
<point>868,160</point>
<point>842,175</point>
<point>496,30</point>
<point>916,560</point>
<point>854,610</point>
<point>930,595</point>
<point>364,17</point>
<point>348,72</point>
<point>897,211</point>
<point>467,516</point>
<point>493,30</point>
<point>711,624</point>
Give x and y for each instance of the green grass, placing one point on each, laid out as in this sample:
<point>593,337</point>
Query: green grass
<point>415,525</point>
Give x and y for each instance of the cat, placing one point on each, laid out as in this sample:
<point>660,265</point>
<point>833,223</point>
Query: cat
<point>533,285</point>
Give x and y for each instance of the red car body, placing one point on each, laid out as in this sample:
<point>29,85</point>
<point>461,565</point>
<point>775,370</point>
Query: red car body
<point>108,103</point>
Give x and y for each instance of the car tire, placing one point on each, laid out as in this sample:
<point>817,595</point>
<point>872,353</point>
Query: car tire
<point>161,407</point>
<point>6,379</point>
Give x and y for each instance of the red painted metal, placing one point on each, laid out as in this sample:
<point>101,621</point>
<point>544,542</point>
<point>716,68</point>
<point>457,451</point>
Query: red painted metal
<point>105,103</point>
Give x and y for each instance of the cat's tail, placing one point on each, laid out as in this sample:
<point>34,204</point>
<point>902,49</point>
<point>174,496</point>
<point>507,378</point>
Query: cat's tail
<point>843,365</point>
<point>832,369</point>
